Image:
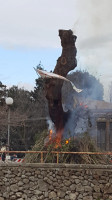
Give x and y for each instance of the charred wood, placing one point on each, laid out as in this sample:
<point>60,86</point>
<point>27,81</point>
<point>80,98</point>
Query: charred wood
<point>65,63</point>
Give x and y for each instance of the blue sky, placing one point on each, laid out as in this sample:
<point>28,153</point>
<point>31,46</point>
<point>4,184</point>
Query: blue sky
<point>17,65</point>
<point>29,34</point>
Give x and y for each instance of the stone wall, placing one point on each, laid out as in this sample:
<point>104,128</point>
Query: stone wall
<point>55,182</point>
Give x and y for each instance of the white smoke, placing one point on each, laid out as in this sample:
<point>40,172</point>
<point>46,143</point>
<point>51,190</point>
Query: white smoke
<point>94,42</point>
<point>94,23</point>
<point>51,125</point>
<point>77,122</point>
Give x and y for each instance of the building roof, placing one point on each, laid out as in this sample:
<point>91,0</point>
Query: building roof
<point>96,104</point>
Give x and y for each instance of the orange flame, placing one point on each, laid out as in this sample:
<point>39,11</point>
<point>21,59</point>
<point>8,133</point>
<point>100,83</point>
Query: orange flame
<point>67,141</point>
<point>50,134</point>
<point>55,138</point>
<point>58,139</point>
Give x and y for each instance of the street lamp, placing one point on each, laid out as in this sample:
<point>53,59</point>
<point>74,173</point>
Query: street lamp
<point>9,102</point>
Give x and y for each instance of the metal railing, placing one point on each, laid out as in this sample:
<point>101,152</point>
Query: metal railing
<point>57,153</point>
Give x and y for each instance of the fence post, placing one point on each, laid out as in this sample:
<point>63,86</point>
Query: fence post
<point>57,157</point>
<point>41,157</point>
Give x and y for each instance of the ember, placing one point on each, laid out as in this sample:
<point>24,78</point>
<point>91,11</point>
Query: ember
<point>82,104</point>
<point>67,141</point>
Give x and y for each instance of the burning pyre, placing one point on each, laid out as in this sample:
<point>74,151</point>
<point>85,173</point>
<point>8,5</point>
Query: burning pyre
<point>60,120</point>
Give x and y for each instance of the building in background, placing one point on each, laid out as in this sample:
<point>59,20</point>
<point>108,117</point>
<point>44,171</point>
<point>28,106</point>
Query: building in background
<point>101,120</point>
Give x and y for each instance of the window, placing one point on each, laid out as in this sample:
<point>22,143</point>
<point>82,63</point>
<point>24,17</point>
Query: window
<point>101,135</point>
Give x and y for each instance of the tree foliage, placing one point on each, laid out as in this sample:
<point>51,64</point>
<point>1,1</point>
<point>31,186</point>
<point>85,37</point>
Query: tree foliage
<point>27,120</point>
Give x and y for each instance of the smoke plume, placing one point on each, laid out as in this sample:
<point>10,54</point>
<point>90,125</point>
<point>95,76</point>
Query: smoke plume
<point>94,41</point>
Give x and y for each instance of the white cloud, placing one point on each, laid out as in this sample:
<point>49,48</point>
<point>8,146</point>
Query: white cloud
<point>23,85</point>
<point>35,23</point>
<point>94,42</point>
<point>26,86</point>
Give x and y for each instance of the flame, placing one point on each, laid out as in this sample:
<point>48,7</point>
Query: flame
<point>67,141</point>
<point>86,106</point>
<point>82,104</point>
<point>58,139</point>
<point>55,138</point>
<point>50,134</point>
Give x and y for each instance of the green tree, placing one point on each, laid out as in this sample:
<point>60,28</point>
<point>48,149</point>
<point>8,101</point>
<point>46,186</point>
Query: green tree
<point>27,118</point>
<point>2,93</point>
<point>38,95</point>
